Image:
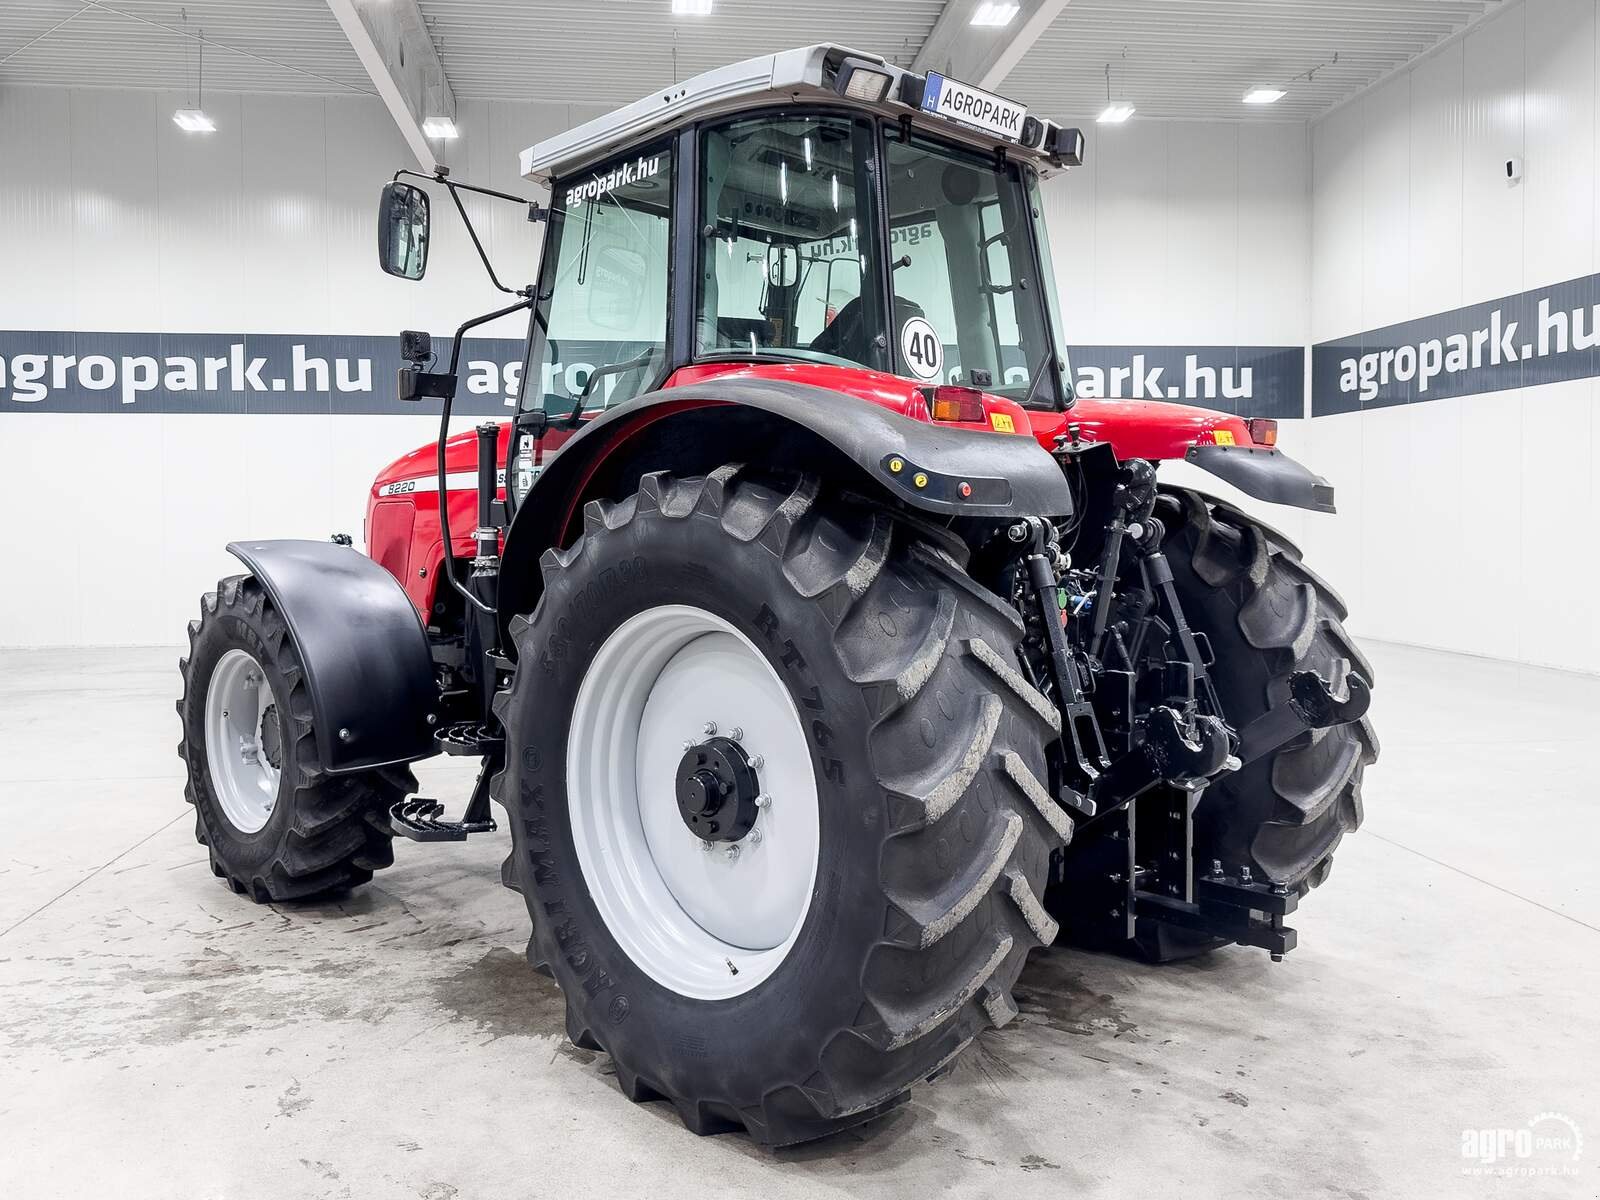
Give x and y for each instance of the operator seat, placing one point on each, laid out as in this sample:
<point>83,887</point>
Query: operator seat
<point>846,335</point>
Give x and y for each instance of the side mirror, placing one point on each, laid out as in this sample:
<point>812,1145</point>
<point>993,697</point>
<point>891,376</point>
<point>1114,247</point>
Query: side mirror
<point>403,230</point>
<point>783,265</point>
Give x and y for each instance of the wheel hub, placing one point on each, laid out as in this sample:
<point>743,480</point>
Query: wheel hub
<point>272,738</point>
<point>717,789</point>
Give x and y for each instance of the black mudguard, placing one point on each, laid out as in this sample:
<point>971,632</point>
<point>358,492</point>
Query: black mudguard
<point>368,666</point>
<point>1010,475</point>
<point>1007,475</point>
<point>1265,474</point>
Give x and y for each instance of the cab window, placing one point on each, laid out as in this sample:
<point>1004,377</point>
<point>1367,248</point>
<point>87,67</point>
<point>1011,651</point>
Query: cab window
<point>968,305</point>
<point>788,256</point>
<point>604,283</point>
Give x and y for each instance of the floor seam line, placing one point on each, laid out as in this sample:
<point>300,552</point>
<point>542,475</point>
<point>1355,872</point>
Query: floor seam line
<point>1556,912</point>
<point>109,862</point>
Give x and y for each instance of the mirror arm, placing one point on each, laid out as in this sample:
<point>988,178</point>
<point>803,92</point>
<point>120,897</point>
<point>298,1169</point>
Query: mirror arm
<point>444,436</point>
<point>443,176</point>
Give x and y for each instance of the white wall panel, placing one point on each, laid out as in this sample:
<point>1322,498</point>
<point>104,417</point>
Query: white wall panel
<point>1492,108</point>
<point>115,198</point>
<point>1558,114</point>
<point>1437,146</point>
<point>36,208</point>
<point>1131,218</point>
<point>1273,243</point>
<point>1337,198</point>
<point>1386,202</point>
<point>1458,516</point>
<point>1199,303</point>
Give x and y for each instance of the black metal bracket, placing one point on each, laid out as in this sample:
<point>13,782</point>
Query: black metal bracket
<point>1312,704</point>
<point>1168,753</point>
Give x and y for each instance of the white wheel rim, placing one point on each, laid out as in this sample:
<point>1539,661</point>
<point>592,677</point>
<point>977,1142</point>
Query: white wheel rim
<point>708,924</point>
<point>244,781</point>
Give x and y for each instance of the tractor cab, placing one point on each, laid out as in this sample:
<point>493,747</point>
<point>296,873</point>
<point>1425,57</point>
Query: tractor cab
<point>829,210</point>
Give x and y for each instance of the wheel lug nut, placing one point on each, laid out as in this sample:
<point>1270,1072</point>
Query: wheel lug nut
<point>733,851</point>
<point>737,733</point>
<point>687,744</point>
<point>764,800</point>
<point>710,728</point>
<point>759,761</point>
<point>755,837</point>
<point>705,845</point>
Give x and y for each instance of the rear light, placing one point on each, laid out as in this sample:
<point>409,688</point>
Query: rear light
<point>955,404</point>
<point>1263,430</point>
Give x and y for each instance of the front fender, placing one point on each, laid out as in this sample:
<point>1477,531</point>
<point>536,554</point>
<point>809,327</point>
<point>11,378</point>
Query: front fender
<point>367,663</point>
<point>1268,475</point>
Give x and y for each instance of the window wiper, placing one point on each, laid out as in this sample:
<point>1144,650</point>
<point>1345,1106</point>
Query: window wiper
<point>609,369</point>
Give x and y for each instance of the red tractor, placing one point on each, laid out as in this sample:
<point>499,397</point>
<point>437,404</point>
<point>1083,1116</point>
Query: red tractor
<point>826,653</point>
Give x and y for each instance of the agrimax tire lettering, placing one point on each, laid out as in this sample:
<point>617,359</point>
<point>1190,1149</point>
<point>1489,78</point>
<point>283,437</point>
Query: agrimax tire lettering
<point>810,695</point>
<point>627,573</point>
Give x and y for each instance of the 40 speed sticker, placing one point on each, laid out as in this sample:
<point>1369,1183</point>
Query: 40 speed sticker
<point>921,348</point>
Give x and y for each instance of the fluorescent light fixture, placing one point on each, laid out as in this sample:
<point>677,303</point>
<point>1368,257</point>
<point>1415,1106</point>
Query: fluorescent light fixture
<point>691,8</point>
<point>192,120</point>
<point>993,14</point>
<point>1264,95</point>
<point>1115,113</point>
<point>440,127</point>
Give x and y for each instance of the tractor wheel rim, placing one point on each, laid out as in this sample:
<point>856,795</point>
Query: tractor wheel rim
<point>708,923</point>
<point>243,778</point>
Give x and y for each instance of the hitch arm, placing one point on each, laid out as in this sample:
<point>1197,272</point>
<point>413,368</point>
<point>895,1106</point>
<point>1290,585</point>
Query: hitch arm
<point>1312,704</point>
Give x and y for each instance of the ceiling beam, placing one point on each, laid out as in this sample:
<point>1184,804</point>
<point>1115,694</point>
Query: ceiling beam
<point>393,43</point>
<point>983,57</point>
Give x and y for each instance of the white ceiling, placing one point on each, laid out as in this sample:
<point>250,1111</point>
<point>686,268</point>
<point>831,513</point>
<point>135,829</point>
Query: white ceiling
<point>1172,58</point>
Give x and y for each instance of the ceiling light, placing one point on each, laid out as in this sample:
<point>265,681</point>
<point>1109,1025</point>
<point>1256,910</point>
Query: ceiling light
<point>1115,113</point>
<point>994,13</point>
<point>1264,95</point>
<point>192,120</point>
<point>691,8</point>
<point>440,127</point>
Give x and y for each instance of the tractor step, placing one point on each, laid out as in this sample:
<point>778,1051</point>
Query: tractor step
<point>419,819</point>
<point>467,738</point>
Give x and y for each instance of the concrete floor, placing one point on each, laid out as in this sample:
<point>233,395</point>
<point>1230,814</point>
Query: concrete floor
<point>160,1037</point>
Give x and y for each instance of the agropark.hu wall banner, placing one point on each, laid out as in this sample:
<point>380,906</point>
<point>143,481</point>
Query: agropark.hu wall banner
<point>264,374</point>
<point>1543,335</point>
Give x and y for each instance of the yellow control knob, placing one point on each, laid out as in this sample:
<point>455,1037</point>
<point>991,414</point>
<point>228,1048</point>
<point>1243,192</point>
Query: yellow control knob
<point>896,465</point>
<point>920,479</point>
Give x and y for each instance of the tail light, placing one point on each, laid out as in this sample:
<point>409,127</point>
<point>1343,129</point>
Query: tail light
<point>955,404</point>
<point>1263,430</point>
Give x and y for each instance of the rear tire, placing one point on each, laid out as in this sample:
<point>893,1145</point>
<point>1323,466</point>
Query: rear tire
<point>1267,615</point>
<point>934,831</point>
<point>306,833</point>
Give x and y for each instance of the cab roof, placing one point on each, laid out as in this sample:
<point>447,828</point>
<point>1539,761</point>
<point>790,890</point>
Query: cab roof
<point>811,74</point>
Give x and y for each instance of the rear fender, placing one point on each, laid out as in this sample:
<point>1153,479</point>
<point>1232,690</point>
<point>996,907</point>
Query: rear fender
<point>695,429</point>
<point>368,667</point>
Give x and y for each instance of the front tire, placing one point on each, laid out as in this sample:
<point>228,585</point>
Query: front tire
<point>276,826</point>
<point>930,835</point>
